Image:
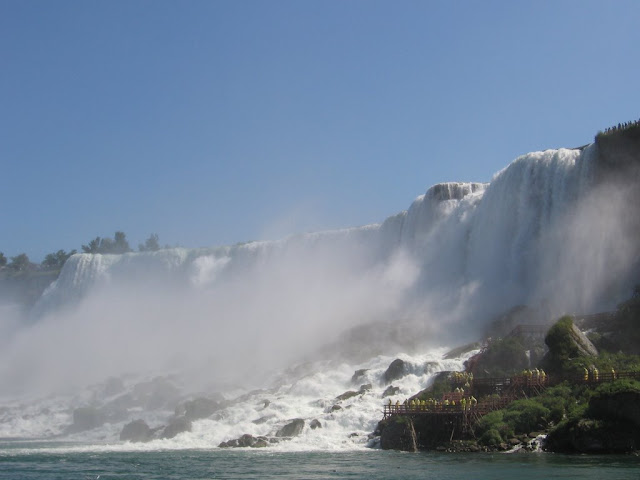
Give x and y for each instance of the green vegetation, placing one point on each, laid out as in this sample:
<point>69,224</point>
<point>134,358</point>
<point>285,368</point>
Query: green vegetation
<point>626,129</point>
<point>22,281</point>
<point>607,420</point>
<point>502,358</point>
<point>493,422</point>
<point>579,416</point>
<point>491,438</point>
<point>151,244</point>
<point>117,245</point>
<point>441,384</point>
<point>56,260</point>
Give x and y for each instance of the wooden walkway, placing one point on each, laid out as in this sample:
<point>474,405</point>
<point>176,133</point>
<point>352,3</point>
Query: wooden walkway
<point>494,393</point>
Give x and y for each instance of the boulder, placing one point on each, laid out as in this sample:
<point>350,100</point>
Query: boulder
<point>113,386</point>
<point>246,440</point>
<point>136,431</point>
<point>230,444</point>
<point>315,423</point>
<point>621,405</point>
<point>390,391</point>
<point>564,339</point>
<point>396,370</point>
<point>359,375</point>
<point>176,426</point>
<point>365,388</point>
<point>346,395</point>
<point>86,418</point>
<point>155,394</point>
<point>264,419</point>
<point>198,408</point>
<point>292,429</point>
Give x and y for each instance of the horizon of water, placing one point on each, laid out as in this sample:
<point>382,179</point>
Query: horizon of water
<point>35,463</point>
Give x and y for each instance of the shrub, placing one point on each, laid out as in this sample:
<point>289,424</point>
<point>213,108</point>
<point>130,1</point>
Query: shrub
<point>526,415</point>
<point>490,421</point>
<point>494,421</point>
<point>558,339</point>
<point>490,438</point>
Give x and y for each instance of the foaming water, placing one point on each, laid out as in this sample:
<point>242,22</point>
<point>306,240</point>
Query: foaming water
<point>313,392</point>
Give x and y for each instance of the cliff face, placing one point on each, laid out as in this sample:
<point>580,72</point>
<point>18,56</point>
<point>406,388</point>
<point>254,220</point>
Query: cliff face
<point>24,288</point>
<point>612,426</point>
<point>620,147</point>
<point>398,433</point>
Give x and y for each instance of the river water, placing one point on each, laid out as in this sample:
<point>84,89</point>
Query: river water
<point>32,460</point>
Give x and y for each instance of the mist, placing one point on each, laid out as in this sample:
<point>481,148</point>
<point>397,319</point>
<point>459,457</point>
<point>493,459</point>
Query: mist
<point>551,231</point>
<point>216,321</point>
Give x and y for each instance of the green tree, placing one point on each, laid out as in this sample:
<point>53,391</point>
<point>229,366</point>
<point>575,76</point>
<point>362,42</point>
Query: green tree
<point>20,262</point>
<point>3,260</point>
<point>93,246</point>
<point>57,259</point>
<point>151,244</point>
<point>120,244</point>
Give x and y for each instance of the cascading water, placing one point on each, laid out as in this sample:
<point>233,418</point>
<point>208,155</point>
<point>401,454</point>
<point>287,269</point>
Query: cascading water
<point>547,230</point>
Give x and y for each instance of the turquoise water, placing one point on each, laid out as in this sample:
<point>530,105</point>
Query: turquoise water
<point>20,463</point>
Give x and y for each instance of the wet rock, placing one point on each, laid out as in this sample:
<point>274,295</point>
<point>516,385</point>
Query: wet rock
<point>229,444</point>
<point>396,370</point>
<point>261,420</point>
<point>113,386</point>
<point>292,429</point>
<point>390,391</point>
<point>246,440</point>
<point>315,423</point>
<point>198,408</point>
<point>346,395</point>
<point>365,388</point>
<point>359,375</point>
<point>398,434</point>
<point>176,426</point>
<point>155,394</point>
<point>136,431</point>
<point>260,443</point>
<point>86,418</point>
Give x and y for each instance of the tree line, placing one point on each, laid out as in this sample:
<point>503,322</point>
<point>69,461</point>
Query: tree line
<point>52,261</point>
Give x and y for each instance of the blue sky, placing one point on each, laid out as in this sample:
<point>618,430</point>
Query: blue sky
<point>214,122</point>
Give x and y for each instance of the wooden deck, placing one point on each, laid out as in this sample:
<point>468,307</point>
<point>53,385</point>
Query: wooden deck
<point>494,394</point>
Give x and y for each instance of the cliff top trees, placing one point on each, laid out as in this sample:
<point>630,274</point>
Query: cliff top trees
<point>151,244</point>
<point>57,259</point>
<point>118,244</point>
<point>20,263</point>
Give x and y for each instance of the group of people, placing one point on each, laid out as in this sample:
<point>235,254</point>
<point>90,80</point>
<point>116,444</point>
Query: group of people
<point>534,376</point>
<point>432,405</point>
<point>594,374</point>
<point>461,378</point>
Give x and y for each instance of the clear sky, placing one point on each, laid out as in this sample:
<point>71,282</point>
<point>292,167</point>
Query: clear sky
<point>214,122</point>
